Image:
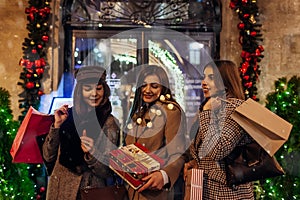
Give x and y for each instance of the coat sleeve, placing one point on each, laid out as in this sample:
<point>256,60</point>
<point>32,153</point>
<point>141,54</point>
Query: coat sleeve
<point>51,145</point>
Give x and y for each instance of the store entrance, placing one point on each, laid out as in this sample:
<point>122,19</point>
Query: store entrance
<point>123,54</point>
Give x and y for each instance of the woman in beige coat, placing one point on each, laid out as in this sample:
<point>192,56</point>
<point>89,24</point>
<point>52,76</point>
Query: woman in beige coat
<point>157,122</point>
<point>81,137</point>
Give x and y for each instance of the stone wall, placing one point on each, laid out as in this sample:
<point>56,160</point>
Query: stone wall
<point>280,32</point>
<point>281,41</point>
<point>12,33</point>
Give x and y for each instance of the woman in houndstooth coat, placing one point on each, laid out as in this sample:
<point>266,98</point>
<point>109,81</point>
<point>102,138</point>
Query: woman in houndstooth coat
<point>218,133</point>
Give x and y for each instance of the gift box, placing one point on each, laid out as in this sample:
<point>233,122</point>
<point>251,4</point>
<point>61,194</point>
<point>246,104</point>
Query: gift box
<point>133,162</point>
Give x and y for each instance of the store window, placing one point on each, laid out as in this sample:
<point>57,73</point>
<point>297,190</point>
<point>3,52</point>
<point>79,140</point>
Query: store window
<point>181,36</point>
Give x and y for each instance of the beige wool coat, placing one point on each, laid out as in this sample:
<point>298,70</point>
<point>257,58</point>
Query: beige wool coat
<point>165,138</point>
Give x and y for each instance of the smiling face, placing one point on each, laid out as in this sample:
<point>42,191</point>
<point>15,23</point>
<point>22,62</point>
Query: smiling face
<point>93,94</point>
<point>151,89</point>
<point>208,83</point>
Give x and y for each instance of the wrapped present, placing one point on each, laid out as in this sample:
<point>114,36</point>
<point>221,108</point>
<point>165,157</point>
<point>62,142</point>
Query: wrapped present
<point>133,162</point>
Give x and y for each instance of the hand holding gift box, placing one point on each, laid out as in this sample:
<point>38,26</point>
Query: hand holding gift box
<point>133,162</point>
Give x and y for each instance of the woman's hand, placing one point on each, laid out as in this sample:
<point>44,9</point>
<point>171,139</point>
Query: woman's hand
<point>187,166</point>
<point>60,115</point>
<point>154,181</point>
<point>87,143</point>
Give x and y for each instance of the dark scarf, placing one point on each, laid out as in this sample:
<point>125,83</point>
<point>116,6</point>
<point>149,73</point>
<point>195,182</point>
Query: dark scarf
<point>72,156</point>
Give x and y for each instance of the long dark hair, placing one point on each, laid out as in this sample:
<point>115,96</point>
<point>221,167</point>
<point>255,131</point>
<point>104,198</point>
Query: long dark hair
<point>148,70</point>
<point>72,155</point>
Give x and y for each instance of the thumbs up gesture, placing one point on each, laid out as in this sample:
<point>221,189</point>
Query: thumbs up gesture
<point>87,143</point>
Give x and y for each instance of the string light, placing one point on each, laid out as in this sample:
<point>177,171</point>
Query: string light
<point>284,101</point>
<point>169,62</point>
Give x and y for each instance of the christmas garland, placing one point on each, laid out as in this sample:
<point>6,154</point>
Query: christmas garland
<point>34,54</point>
<point>250,39</point>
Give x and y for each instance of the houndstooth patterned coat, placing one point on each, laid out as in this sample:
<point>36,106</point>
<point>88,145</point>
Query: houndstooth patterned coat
<point>218,135</point>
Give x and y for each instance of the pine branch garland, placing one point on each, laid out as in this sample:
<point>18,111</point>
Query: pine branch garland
<point>250,40</point>
<point>34,54</point>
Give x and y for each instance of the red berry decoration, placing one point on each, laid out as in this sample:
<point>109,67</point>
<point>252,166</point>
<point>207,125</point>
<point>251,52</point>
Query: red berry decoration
<point>253,33</point>
<point>22,62</point>
<point>45,38</point>
<point>40,93</point>
<point>246,77</point>
<point>241,25</point>
<point>28,75</point>
<point>29,85</point>
<point>232,5</point>
<point>42,189</point>
<point>257,52</point>
<point>249,84</point>
<point>246,16</point>
<point>261,48</point>
<point>39,71</point>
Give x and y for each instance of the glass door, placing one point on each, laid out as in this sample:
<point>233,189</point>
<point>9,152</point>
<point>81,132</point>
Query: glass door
<point>122,54</point>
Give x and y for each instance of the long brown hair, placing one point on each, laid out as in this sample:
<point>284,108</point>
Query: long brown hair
<point>230,77</point>
<point>146,71</point>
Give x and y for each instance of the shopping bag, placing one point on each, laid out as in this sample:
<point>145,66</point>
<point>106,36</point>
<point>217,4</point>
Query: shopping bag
<point>194,185</point>
<point>268,129</point>
<point>25,148</point>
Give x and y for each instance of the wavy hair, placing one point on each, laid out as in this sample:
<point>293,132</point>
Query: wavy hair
<point>148,70</point>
